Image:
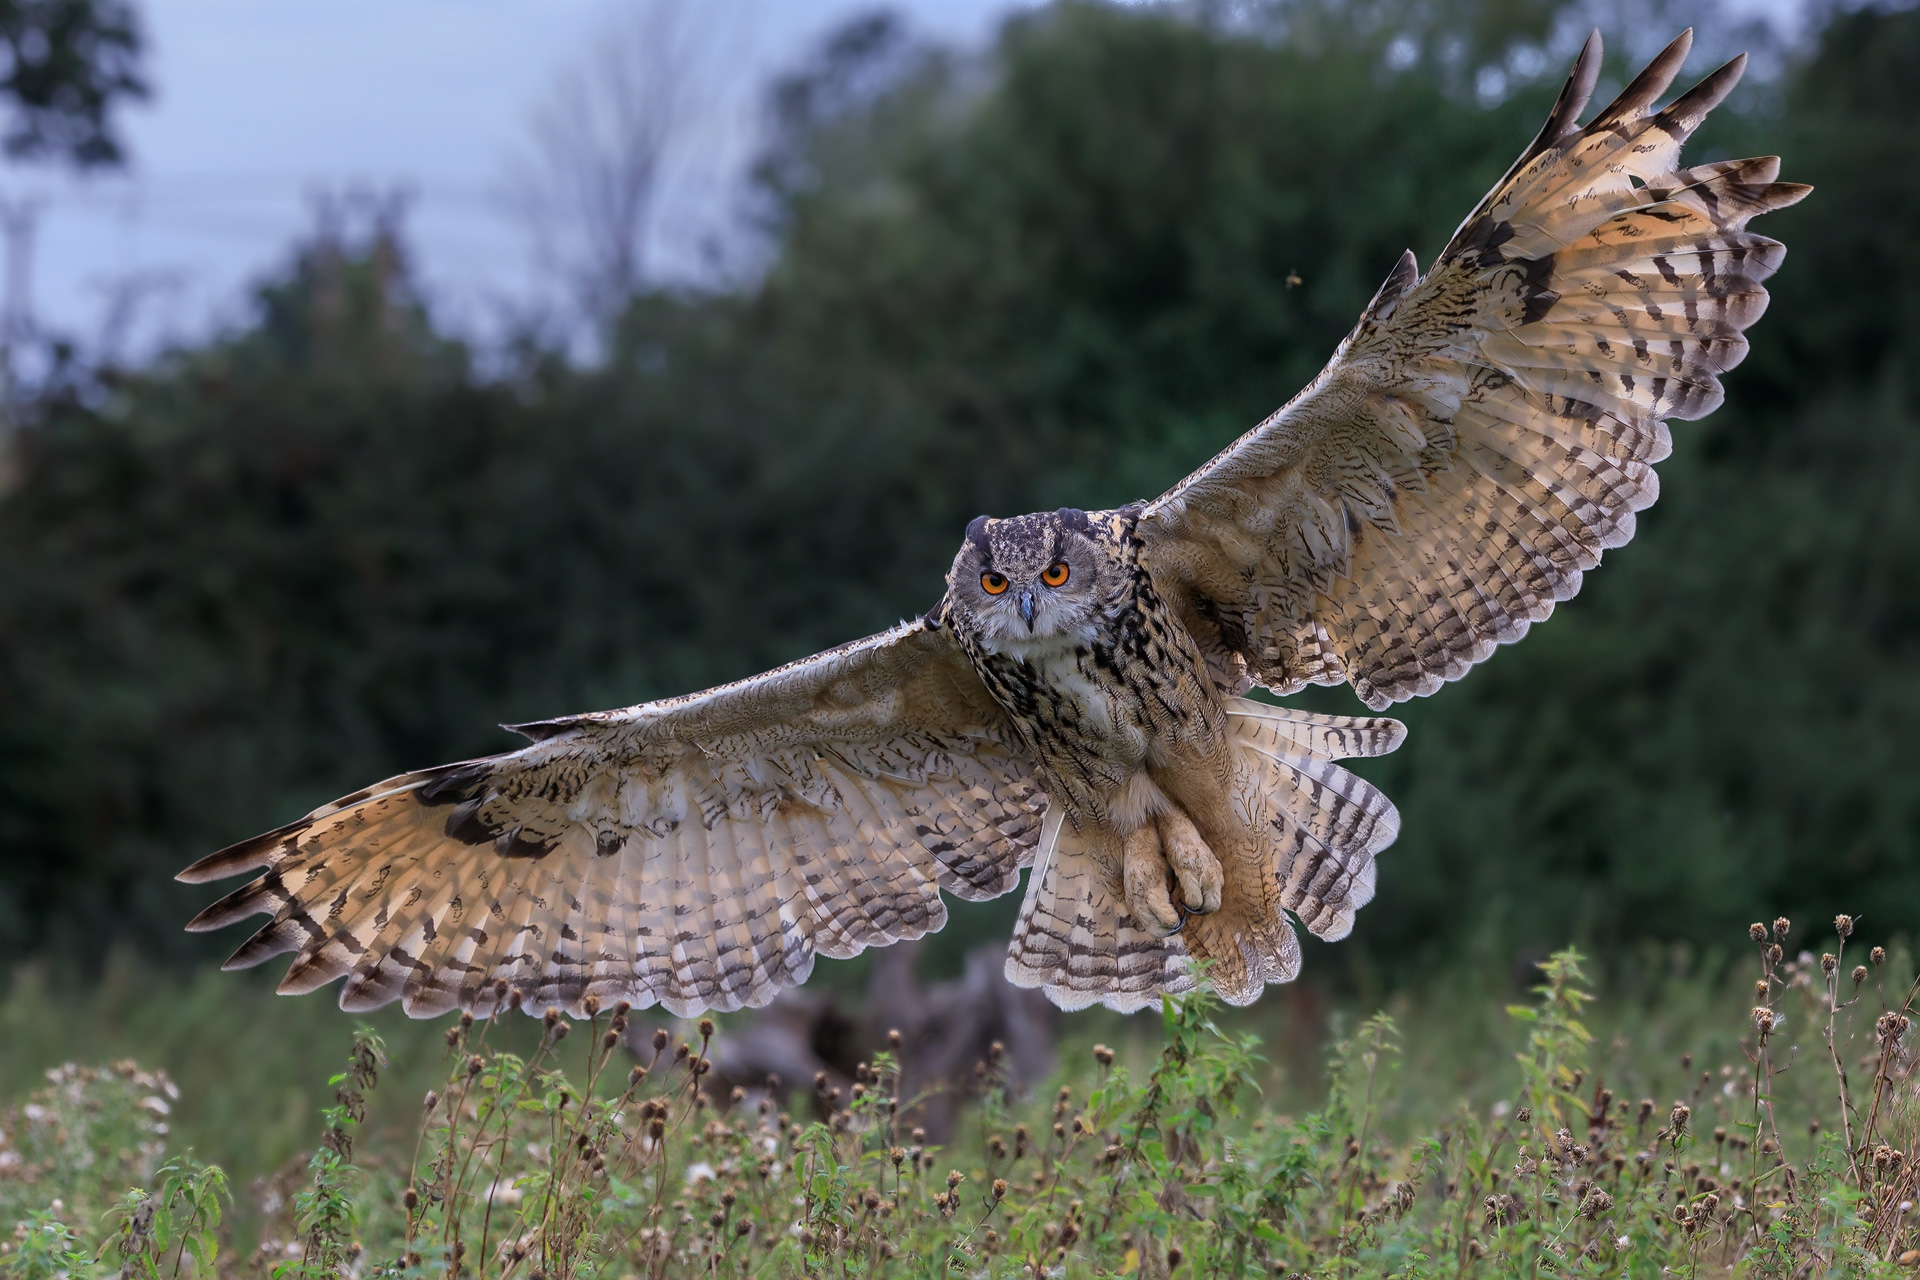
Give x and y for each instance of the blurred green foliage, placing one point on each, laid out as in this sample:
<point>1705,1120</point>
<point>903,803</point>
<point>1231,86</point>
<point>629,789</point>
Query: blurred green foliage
<point>260,572</point>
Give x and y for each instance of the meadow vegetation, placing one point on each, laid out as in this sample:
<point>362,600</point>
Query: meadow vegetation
<point>1759,1118</point>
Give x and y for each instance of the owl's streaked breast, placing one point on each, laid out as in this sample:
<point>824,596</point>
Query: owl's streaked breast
<point>1096,706</point>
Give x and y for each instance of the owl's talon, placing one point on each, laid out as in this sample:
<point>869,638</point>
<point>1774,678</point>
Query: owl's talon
<point>1192,861</point>
<point>1145,874</point>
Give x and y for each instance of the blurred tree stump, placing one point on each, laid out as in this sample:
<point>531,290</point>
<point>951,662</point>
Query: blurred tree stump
<point>946,1031</point>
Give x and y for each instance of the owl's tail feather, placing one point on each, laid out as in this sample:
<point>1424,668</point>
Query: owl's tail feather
<point>1302,840</point>
<point>1076,938</point>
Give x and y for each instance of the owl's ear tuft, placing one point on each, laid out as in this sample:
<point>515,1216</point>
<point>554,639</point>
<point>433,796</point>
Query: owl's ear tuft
<point>1075,519</point>
<point>977,535</point>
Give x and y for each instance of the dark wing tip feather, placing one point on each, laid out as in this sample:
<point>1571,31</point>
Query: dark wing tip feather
<point>1692,106</point>
<point>249,899</point>
<point>1648,85</point>
<point>1574,96</point>
<point>239,858</point>
<point>273,939</point>
<point>542,730</point>
<point>1562,120</point>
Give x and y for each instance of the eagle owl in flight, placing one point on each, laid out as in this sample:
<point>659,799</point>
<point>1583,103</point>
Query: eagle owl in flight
<point>1074,702</point>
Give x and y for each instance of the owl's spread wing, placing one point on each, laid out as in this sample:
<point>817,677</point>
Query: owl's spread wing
<point>696,852</point>
<point>1490,427</point>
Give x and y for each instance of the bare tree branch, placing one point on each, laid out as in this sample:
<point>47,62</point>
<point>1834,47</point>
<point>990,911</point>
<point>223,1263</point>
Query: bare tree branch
<point>610,142</point>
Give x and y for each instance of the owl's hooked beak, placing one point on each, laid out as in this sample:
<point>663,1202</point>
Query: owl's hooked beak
<point>1026,608</point>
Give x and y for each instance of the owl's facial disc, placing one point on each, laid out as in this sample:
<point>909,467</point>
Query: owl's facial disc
<point>1028,579</point>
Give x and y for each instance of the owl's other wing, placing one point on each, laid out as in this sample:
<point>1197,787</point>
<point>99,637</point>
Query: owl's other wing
<point>1490,427</point>
<point>695,852</point>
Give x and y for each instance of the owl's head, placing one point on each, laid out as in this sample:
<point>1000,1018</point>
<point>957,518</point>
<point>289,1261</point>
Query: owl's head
<point>1030,578</point>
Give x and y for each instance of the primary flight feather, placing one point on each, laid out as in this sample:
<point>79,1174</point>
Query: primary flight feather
<point>1073,702</point>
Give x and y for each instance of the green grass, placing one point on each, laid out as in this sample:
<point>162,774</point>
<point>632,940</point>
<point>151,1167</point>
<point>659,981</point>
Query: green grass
<point>1444,1133</point>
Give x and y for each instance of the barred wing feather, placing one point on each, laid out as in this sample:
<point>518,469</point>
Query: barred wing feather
<point>697,852</point>
<point>1489,428</point>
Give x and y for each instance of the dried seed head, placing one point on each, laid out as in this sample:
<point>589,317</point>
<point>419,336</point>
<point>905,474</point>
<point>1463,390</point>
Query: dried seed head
<point>1523,1116</point>
<point>1878,955</point>
<point>953,1178</point>
<point>410,1199</point>
<point>1679,1116</point>
<point>1761,989</point>
<point>1828,963</point>
<point>466,1020</point>
<point>1596,1203</point>
<point>552,1016</point>
<point>919,1136</point>
<point>706,1028</point>
<point>999,1188</point>
<point>1859,974</point>
<point>475,1065</point>
<point>1775,954</point>
<point>560,1030</point>
<point>995,1052</point>
<point>1757,931</point>
<point>657,1128</point>
<point>1764,1021</point>
<point>660,1038</point>
<point>452,1036</point>
<point>591,1006</point>
<point>516,999</point>
<point>431,1101</point>
<point>895,1040</point>
<point>609,1038</point>
<point>1781,927</point>
<point>1103,1055</point>
<point>1843,925</point>
<point>636,1077</point>
<point>681,1050</point>
<point>1174,1256</point>
<point>1646,1109</point>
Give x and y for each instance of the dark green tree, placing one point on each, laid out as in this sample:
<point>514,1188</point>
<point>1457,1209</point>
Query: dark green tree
<point>68,63</point>
<point>324,549</point>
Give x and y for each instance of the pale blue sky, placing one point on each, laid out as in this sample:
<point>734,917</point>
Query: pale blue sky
<point>262,103</point>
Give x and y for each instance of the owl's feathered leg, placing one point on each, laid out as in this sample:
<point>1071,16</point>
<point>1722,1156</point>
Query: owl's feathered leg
<point>1145,877</point>
<point>1296,834</point>
<point>1192,862</point>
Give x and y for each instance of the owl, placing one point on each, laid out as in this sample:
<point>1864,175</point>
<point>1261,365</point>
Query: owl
<point>1074,705</point>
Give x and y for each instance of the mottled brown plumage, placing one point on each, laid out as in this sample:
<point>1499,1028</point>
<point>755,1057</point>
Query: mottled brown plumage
<point>1073,703</point>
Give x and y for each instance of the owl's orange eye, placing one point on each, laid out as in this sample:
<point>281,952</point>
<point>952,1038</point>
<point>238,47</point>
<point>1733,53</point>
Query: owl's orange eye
<point>1056,574</point>
<point>992,583</point>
